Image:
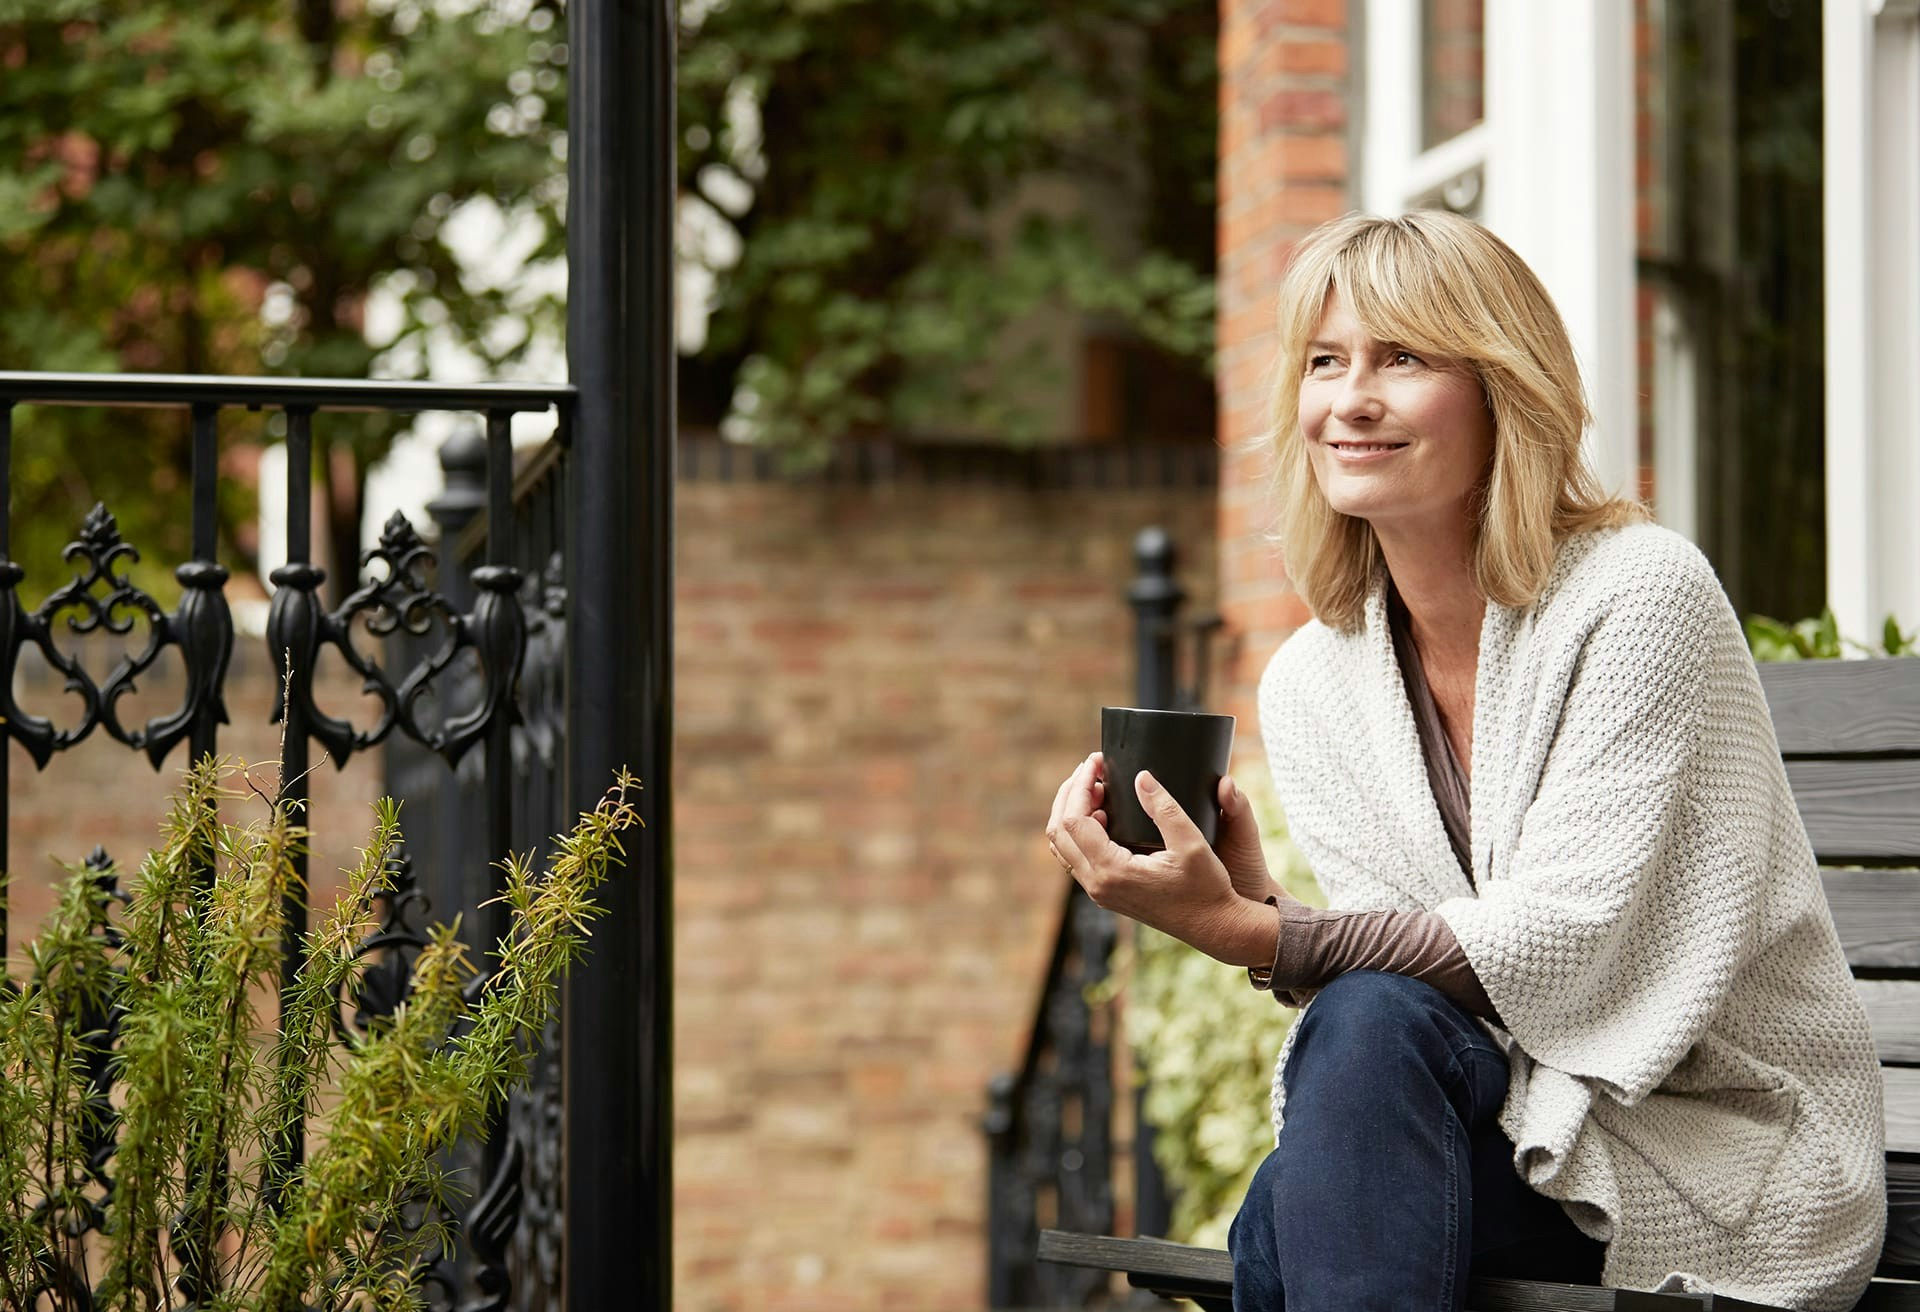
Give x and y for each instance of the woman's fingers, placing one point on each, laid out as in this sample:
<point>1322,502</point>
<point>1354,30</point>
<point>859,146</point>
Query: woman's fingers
<point>1070,799</point>
<point>1239,847</point>
<point>1059,801</point>
<point>1079,796</point>
<point>1073,858</point>
<point>1238,824</point>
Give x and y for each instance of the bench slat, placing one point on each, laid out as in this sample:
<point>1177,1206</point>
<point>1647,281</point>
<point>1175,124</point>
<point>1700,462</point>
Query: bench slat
<point>1893,1009</point>
<point>1903,1108</point>
<point>1183,1271</point>
<point>1859,810</point>
<point>1206,1275</point>
<point>1826,707</point>
<point>1878,915</point>
<point>1889,1298</point>
<point>1528,1295</point>
<point>1901,1252</point>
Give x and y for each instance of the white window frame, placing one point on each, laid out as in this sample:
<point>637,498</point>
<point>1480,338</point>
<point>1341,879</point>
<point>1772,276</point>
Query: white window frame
<point>1871,163</point>
<point>1556,158</point>
<point>1396,174</point>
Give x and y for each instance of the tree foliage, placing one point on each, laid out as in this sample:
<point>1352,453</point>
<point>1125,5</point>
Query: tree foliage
<point>890,194</point>
<point>893,196</point>
<point>218,188</point>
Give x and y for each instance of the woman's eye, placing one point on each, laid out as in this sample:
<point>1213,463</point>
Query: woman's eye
<point>1315,362</point>
<point>1405,358</point>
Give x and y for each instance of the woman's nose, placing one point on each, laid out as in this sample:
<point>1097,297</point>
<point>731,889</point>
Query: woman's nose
<point>1358,397</point>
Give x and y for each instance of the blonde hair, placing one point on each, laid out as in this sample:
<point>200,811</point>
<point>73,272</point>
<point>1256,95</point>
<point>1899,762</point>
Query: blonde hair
<point>1437,283</point>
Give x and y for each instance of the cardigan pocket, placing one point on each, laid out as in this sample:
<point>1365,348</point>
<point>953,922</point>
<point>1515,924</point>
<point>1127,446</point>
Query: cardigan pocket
<point>1714,1147</point>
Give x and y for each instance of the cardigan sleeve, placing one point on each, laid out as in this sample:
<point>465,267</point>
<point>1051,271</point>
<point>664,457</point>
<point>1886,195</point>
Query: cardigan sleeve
<point>1610,936</point>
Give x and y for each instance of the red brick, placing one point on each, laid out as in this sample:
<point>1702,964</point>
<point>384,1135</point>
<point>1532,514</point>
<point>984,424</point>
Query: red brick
<point>1331,14</point>
<point>1302,108</point>
<point>1328,57</point>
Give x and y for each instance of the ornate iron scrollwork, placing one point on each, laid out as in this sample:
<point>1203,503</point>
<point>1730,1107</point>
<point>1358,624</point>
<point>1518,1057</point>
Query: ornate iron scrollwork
<point>101,598</point>
<point>1049,1129</point>
<point>395,601</point>
<point>488,1229</point>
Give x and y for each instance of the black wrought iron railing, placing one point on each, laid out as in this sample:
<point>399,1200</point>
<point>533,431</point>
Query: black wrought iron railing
<point>520,1229</point>
<point>1050,1125</point>
<point>611,1150</point>
<point>464,677</point>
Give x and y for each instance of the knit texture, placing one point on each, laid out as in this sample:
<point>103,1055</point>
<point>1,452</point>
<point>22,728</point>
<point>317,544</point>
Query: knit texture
<point>1692,1072</point>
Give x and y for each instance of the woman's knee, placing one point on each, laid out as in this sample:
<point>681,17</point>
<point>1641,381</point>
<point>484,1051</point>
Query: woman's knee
<point>1374,1009</point>
<point>1367,1024</point>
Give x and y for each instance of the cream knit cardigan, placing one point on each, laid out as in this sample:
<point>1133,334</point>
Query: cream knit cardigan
<point>1692,1073</point>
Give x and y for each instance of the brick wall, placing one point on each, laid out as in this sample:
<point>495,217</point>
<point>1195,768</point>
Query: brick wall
<point>1285,110</point>
<point>881,681</point>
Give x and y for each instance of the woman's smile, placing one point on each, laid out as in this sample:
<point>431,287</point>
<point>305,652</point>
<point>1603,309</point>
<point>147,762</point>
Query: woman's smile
<point>1362,452</point>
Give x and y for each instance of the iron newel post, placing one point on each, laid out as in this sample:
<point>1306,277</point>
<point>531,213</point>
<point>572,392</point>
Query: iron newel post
<point>619,557</point>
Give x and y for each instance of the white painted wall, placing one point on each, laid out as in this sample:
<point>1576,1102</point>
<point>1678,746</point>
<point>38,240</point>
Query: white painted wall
<point>1560,189</point>
<point>1872,233</point>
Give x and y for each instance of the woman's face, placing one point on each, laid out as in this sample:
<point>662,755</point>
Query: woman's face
<point>1396,439</point>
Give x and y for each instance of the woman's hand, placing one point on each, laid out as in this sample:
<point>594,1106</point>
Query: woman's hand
<point>1184,891</point>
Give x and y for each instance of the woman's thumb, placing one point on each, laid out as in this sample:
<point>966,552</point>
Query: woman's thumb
<point>1170,817</point>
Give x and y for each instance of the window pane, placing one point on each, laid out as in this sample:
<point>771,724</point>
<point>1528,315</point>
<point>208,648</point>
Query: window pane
<point>1452,85</point>
<point>1732,290</point>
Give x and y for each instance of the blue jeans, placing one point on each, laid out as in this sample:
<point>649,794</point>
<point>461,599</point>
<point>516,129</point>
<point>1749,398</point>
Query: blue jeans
<point>1392,1178</point>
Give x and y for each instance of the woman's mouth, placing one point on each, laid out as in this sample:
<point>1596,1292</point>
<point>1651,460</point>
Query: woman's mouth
<point>1364,450</point>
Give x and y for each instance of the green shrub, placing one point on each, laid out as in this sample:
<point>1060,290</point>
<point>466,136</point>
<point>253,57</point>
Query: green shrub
<point>205,1089</point>
<point>1819,639</point>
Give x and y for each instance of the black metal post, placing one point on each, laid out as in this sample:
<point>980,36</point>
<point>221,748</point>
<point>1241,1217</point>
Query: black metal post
<point>9,579</point>
<point>463,467</point>
<point>618,1014</point>
<point>292,629</point>
<point>1006,1227</point>
<point>205,573</point>
<point>495,916</point>
<point>1156,599</point>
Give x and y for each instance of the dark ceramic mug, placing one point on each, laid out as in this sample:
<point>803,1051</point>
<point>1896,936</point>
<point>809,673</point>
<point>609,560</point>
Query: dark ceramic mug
<point>1186,751</point>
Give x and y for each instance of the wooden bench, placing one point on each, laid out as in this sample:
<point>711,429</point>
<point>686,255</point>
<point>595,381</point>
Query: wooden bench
<point>1850,735</point>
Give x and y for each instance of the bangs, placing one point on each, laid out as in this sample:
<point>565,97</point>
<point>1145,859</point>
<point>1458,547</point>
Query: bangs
<point>1405,287</point>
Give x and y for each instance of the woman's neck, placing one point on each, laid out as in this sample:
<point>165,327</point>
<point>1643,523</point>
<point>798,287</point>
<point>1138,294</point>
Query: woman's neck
<point>1436,582</point>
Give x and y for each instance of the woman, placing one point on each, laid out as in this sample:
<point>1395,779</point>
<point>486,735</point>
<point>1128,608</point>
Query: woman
<point>1579,1011</point>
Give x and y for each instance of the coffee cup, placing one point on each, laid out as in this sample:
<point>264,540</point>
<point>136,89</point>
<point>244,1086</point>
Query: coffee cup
<point>1187,752</point>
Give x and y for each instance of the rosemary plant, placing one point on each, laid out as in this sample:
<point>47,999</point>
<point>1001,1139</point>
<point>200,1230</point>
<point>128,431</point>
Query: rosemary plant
<point>150,1087</point>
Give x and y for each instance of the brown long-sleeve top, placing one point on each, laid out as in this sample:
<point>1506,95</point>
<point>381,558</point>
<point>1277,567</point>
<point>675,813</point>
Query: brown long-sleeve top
<point>1315,945</point>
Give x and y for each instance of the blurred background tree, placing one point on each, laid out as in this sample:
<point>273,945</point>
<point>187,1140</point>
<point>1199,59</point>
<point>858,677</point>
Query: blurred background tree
<point>912,209</point>
<point>221,188</point>
<point>911,217</point>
